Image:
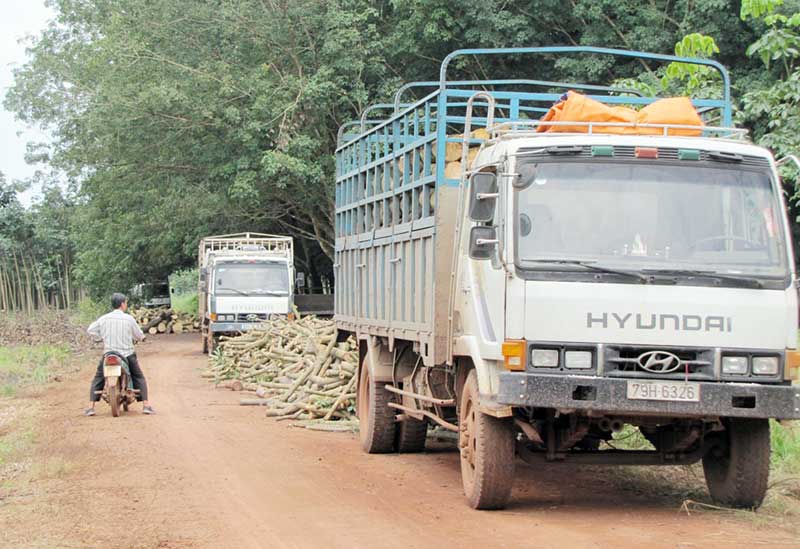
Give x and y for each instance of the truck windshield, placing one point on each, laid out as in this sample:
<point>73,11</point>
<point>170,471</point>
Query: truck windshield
<point>251,279</point>
<point>650,218</point>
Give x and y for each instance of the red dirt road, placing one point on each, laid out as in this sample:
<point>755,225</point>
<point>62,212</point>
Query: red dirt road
<point>205,472</point>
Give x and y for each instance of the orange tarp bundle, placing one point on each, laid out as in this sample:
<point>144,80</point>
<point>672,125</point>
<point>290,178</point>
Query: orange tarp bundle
<point>579,108</point>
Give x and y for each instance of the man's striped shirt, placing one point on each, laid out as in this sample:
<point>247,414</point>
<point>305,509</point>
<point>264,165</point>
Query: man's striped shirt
<point>118,331</point>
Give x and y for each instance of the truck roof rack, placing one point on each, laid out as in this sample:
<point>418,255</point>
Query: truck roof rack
<point>520,100</point>
<point>242,243</point>
<point>529,128</point>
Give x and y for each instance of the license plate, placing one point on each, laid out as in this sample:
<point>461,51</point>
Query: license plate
<point>677,391</point>
<point>112,371</point>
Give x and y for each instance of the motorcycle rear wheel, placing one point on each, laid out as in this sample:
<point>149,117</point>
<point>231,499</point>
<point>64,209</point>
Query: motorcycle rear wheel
<point>113,396</point>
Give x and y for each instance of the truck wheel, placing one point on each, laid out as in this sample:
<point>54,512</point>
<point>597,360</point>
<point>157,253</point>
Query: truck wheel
<point>211,343</point>
<point>487,452</point>
<point>375,419</point>
<point>411,434</point>
<point>737,470</point>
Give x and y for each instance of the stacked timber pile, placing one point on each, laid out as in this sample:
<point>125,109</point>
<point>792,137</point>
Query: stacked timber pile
<point>165,321</point>
<point>296,368</point>
<point>452,154</point>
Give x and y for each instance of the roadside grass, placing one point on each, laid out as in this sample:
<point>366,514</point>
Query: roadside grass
<point>27,366</point>
<point>185,303</point>
<point>687,482</point>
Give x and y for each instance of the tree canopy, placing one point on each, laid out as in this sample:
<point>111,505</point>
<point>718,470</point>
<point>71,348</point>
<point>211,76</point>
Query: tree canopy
<point>177,119</point>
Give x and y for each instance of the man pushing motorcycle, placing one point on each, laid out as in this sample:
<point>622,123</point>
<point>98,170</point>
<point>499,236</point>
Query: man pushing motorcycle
<point>119,331</point>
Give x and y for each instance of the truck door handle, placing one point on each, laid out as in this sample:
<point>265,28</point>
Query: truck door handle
<point>395,259</point>
<point>361,265</point>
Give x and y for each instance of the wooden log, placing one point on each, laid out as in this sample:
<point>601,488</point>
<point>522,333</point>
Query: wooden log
<point>162,327</point>
<point>341,399</point>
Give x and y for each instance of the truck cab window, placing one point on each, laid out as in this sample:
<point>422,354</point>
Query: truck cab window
<point>645,216</point>
<point>252,279</point>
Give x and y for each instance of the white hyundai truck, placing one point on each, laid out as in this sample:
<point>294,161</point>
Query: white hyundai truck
<point>245,279</point>
<point>536,291</point>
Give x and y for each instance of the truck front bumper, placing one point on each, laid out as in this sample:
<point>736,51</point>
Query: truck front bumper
<point>609,396</point>
<point>232,327</point>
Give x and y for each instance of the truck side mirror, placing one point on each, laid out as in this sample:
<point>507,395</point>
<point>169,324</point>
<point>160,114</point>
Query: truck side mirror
<point>482,242</point>
<point>202,276</point>
<point>300,280</point>
<point>482,196</point>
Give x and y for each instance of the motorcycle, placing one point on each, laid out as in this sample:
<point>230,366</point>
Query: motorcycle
<point>118,390</point>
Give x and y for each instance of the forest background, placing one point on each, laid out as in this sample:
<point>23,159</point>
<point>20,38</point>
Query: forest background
<point>177,119</point>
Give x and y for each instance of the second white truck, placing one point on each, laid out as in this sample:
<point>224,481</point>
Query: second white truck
<point>245,279</point>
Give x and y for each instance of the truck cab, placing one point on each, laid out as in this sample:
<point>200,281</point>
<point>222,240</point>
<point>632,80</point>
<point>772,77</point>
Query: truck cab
<point>245,279</point>
<point>536,284</point>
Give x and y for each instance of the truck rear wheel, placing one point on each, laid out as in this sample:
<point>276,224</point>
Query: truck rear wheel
<point>376,421</point>
<point>737,470</point>
<point>487,452</point>
<point>411,435</point>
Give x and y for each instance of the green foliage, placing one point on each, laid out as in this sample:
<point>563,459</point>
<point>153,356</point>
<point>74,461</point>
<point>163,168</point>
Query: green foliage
<point>185,303</point>
<point>172,127</point>
<point>758,8</point>
<point>29,365</point>
<point>785,447</point>
<point>771,106</point>
<point>88,310</point>
<point>184,281</point>
<point>693,77</point>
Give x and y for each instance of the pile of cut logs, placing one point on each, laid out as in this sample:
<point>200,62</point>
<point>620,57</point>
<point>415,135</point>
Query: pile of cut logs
<point>296,368</point>
<point>165,321</point>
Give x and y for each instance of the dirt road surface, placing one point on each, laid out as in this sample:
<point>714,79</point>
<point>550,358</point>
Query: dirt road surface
<point>206,472</point>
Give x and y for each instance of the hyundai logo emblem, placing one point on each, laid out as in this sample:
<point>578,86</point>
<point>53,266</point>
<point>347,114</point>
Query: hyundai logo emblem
<point>252,317</point>
<point>659,362</point>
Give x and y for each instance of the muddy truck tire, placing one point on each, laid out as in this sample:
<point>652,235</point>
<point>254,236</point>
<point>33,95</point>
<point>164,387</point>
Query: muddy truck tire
<point>411,435</point>
<point>737,469</point>
<point>487,452</point>
<point>377,427</point>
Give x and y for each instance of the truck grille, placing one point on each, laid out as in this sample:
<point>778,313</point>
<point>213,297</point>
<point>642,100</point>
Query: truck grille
<point>251,317</point>
<point>658,363</point>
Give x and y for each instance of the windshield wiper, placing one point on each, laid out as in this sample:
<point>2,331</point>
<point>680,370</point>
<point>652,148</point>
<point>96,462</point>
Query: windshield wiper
<point>271,292</point>
<point>240,292</point>
<point>746,280</point>
<point>590,265</point>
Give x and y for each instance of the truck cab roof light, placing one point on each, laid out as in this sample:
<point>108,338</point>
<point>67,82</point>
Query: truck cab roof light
<point>688,154</point>
<point>514,354</point>
<point>646,152</point>
<point>602,150</point>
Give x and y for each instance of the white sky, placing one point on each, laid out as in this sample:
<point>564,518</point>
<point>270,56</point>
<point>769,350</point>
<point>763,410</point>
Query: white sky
<point>20,18</point>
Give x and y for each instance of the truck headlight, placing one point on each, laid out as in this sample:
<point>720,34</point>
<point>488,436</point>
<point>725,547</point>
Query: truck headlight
<point>544,358</point>
<point>765,365</point>
<point>734,365</point>
<point>578,360</point>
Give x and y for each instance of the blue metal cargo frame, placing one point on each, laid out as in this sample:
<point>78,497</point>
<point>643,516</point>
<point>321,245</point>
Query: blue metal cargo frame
<point>389,174</point>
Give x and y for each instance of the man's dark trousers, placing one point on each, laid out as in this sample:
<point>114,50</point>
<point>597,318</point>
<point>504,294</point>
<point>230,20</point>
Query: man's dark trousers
<point>137,377</point>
